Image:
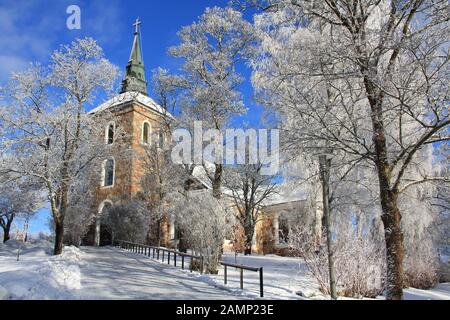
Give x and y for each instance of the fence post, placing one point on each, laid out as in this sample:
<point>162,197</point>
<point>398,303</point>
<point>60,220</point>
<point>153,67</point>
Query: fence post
<point>168,257</point>
<point>225,275</point>
<point>157,254</point>
<point>175,258</point>
<point>190,264</point>
<point>242,278</point>
<point>261,283</point>
<point>182,262</point>
<point>164,252</point>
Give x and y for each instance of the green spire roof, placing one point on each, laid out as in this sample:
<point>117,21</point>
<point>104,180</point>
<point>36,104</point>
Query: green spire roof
<point>135,71</point>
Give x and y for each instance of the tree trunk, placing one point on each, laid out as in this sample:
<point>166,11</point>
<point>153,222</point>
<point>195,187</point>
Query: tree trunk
<point>6,235</point>
<point>391,216</point>
<point>158,232</point>
<point>394,247</point>
<point>217,181</point>
<point>59,236</point>
<point>97,230</point>
<point>249,231</point>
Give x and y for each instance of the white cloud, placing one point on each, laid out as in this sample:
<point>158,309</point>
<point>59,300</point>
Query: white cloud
<point>9,64</point>
<point>31,30</point>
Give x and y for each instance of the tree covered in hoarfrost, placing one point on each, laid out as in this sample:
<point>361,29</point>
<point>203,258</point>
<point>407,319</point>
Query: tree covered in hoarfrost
<point>80,214</point>
<point>211,49</point>
<point>127,222</point>
<point>249,190</point>
<point>20,197</point>
<point>367,79</point>
<point>205,222</point>
<point>48,131</point>
<point>160,184</point>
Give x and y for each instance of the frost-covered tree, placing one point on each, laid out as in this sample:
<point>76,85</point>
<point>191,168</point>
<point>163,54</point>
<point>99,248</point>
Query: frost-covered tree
<point>211,49</point>
<point>248,190</point>
<point>367,79</point>
<point>161,180</point>
<point>19,198</point>
<point>79,215</point>
<point>127,222</point>
<point>43,116</point>
<point>204,220</point>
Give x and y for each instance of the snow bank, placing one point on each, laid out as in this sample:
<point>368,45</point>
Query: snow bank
<point>440,292</point>
<point>38,274</point>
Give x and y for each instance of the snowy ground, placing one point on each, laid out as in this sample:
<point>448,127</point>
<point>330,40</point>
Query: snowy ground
<point>109,273</point>
<point>95,273</point>
<point>284,277</point>
<point>37,274</point>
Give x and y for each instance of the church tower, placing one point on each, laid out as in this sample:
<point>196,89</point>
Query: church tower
<point>135,70</point>
<point>138,118</point>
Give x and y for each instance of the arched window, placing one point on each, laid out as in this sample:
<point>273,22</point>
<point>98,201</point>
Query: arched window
<point>146,133</point>
<point>108,172</point>
<point>110,134</point>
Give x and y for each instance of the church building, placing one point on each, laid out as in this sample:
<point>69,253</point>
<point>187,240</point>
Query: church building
<point>142,119</point>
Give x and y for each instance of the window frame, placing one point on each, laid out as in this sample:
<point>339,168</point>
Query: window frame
<point>113,124</point>
<point>149,133</point>
<point>104,178</point>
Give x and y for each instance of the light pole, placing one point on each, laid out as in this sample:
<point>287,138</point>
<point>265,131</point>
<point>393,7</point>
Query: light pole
<point>325,163</point>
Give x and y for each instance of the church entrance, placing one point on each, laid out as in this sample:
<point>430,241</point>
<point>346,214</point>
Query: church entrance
<point>105,236</point>
<point>99,233</point>
<point>103,233</point>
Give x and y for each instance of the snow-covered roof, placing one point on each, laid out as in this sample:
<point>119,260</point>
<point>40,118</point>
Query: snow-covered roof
<point>200,174</point>
<point>283,193</point>
<point>128,97</point>
<point>284,197</point>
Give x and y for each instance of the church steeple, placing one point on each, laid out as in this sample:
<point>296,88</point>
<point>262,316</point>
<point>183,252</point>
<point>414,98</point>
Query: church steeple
<point>135,71</point>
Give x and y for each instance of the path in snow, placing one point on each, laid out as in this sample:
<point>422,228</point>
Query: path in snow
<point>113,274</point>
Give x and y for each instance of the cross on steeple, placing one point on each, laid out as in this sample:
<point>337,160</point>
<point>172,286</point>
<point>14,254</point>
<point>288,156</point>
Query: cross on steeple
<point>137,24</point>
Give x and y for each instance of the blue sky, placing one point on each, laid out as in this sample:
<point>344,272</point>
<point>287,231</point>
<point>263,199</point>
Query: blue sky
<point>31,29</point>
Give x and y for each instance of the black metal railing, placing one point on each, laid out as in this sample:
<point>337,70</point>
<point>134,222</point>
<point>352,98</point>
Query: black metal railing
<point>242,268</point>
<point>160,252</point>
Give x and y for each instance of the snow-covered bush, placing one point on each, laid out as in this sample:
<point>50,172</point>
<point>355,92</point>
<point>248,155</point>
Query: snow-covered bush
<point>421,265</point>
<point>358,262</point>
<point>127,222</point>
<point>421,262</point>
<point>203,219</point>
